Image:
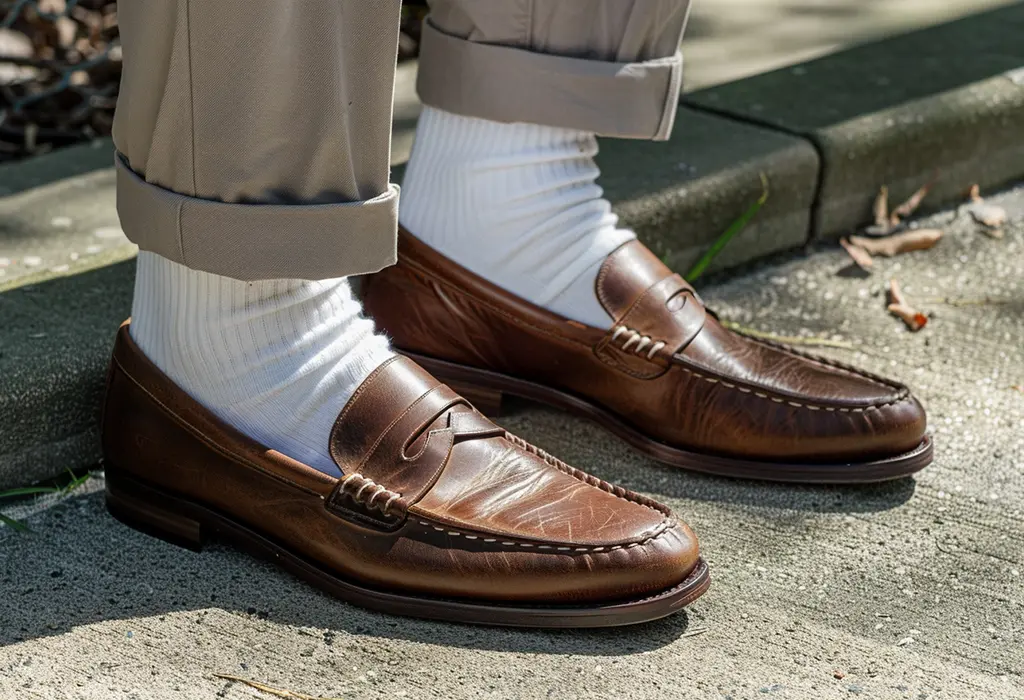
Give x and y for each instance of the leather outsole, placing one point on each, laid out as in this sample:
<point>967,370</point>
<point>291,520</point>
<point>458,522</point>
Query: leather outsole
<point>485,390</point>
<point>189,524</point>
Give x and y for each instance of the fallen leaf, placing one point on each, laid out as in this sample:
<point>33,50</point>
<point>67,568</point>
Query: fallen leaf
<point>984,213</point>
<point>859,255</point>
<point>919,239</point>
<point>914,319</point>
<point>988,215</point>
<point>894,294</point>
<point>269,689</point>
<point>910,206</point>
<point>882,207</point>
<point>898,306</point>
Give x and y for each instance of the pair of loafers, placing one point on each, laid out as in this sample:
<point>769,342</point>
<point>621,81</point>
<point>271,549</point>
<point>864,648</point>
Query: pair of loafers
<point>440,513</point>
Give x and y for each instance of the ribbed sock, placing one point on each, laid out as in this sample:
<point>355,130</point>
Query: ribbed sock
<point>515,203</point>
<point>276,359</point>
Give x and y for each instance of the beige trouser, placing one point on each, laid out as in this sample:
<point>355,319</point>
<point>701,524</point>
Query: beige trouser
<point>253,136</point>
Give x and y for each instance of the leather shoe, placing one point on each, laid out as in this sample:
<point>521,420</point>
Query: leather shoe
<point>438,512</point>
<point>667,377</point>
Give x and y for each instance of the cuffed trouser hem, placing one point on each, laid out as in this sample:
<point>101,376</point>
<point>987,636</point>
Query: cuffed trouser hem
<point>259,241</point>
<point>506,84</point>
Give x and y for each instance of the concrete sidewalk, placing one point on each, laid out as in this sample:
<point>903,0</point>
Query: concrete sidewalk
<point>729,40</point>
<point>909,590</point>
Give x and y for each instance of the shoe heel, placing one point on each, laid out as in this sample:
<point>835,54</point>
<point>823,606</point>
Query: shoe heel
<point>145,509</point>
<point>487,401</point>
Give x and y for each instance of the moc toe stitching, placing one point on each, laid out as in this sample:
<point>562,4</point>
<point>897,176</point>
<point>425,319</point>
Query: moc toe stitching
<point>643,540</point>
<point>813,406</point>
<point>580,475</point>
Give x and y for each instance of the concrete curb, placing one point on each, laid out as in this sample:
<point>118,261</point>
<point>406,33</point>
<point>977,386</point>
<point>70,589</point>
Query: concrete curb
<point>944,104</point>
<point>823,150</point>
<point>59,311</point>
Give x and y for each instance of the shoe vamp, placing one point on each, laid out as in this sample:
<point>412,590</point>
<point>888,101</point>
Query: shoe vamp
<point>748,361</point>
<point>493,486</point>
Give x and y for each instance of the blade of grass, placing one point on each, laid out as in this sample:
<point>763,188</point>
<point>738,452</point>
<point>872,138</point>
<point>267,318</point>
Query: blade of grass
<point>73,483</point>
<point>76,481</point>
<point>269,689</point>
<point>28,491</point>
<point>17,525</point>
<point>814,341</point>
<point>735,227</point>
<point>11,522</point>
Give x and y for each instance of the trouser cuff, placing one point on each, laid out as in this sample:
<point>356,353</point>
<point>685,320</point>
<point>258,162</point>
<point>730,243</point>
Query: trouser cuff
<point>259,241</point>
<point>506,84</point>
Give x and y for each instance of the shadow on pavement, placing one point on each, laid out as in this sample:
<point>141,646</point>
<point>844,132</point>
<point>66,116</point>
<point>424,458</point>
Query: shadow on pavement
<point>592,449</point>
<point>79,566</point>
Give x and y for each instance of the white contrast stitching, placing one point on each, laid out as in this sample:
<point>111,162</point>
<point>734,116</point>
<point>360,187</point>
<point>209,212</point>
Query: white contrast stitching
<point>797,404</point>
<point>364,483</point>
<point>642,341</point>
<point>649,537</point>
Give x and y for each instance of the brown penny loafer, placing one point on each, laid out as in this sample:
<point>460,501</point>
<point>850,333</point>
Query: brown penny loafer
<point>438,513</point>
<point>667,377</point>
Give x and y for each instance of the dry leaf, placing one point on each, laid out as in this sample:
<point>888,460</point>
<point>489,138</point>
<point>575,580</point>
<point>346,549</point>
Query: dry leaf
<point>859,255</point>
<point>898,306</point>
<point>988,214</point>
<point>894,293</point>
<point>984,213</point>
<point>910,206</point>
<point>881,225</point>
<point>914,319</point>
<point>269,689</point>
<point>882,207</point>
<point>919,239</point>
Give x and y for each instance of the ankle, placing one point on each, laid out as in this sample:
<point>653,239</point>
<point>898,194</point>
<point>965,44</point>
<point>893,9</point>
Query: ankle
<point>515,203</point>
<point>277,359</point>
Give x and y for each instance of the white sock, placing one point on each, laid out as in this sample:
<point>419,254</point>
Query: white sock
<point>516,204</point>
<point>277,359</point>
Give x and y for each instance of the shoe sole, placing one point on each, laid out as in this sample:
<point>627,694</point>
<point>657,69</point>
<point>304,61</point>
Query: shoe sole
<point>189,524</point>
<point>485,390</point>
